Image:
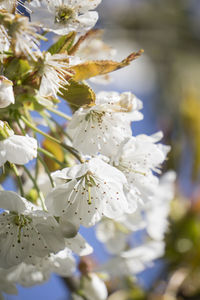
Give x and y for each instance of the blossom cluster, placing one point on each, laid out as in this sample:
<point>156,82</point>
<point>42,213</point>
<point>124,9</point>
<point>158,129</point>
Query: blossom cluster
<point>90,171</point>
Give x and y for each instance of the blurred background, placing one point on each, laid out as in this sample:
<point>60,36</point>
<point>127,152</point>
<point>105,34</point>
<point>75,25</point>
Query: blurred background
<point>167,79</point>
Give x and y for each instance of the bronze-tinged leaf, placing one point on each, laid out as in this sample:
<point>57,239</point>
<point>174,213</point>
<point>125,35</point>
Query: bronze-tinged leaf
<point>91,33</point>
<point>90,69</point>
<point>78,94</point>
<point>63,44</point>
<point>57,151</point>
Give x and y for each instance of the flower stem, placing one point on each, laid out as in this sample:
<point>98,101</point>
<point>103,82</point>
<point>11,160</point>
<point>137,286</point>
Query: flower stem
<point>59,113</point>
<point>67,147</point>
<point>40,194</point>
<point>73,151</point>
<point>46,170</point>
<point>38,130</point>
<point>20,127</point>
<point>61,129</point>
<point>50,155</point>
<point>13,166</point>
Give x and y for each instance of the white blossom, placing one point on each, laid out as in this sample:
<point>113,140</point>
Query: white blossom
<point>125,102</point>
<point>116,182</point>
<point>158,209</point>
<point>6,286</point>
<point>4,41</point>
<point>17,149</point>
<point>113,235</point>
<point>138,157</point>
<point>22,36</point>
<point>26,38</point>
<point>93,287</point>
<point>6,92</point>
<point>11,5</point>
<point>62,263</point>
<point>134,221</point>
<point>105,125</point>
<point>53,70</point>
<point>78,245</point>
<point>134,260</point>
<point>25,233</point>
<point>153,215</point>
<point>8,5</point>
<point>92,189</point>
<point>64,16</point>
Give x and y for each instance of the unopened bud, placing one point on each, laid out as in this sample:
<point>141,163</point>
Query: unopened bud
<point>6,92</point>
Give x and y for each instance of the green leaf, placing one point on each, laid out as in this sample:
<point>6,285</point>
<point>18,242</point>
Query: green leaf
<point>63,44</point>
<point>17,68</point>
<point>78,94</point>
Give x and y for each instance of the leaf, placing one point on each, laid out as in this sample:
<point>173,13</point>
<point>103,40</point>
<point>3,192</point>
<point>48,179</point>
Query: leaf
<point>90,69</point>
<point>56,150</point>
<point>90,33</point>
<point>16,69</point>
<point>63,44</point>
<point>78,94</point>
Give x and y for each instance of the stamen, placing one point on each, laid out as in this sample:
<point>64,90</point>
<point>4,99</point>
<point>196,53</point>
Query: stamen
<point>63,14</point>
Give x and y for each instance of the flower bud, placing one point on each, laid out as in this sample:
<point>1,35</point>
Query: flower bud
<point>94,287</point>
<point>5,131</point>
<point>6,92</point>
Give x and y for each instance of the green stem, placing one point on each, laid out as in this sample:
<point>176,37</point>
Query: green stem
<point>20,127</point>
<point>50,155</point>
<point>59,113</point>
<point>38,130</point>
<point>40,194</point>
<point>61,129</point>
<point>73,151</point>
<point>67,147</point>
<point>13,166</point>
<point>47,170</point>
<point>36,169</point>
<point>7,52</point>
<point>51,126</point>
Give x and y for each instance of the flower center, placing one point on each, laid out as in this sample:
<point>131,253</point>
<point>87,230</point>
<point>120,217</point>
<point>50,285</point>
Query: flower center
<point>95,116</point>
<point>63,14</point>
<point>21,221</point>
<point>88,181</point>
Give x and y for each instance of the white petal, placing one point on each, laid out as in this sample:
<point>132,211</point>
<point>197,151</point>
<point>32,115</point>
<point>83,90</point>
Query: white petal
<point>19,149</point>
<point>94,287</point>
<point>84,203</point>
<point>79,245</point>
<point>6,92</point>
<point>12,201</point>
